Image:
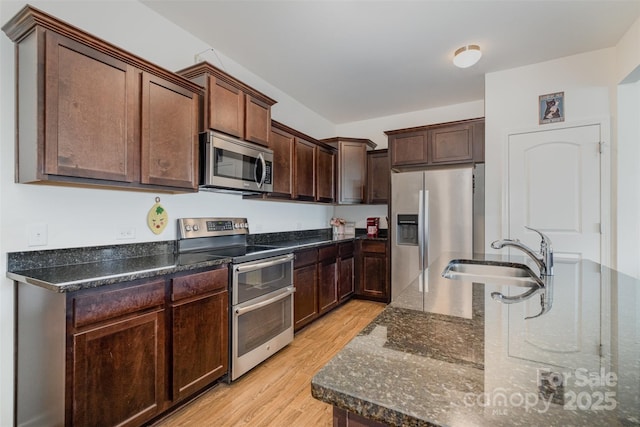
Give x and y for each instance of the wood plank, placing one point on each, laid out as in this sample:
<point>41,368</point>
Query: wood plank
<point>278,391</point>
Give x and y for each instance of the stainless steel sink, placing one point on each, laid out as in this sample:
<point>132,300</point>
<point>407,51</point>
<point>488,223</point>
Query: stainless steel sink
<point>496,272</point>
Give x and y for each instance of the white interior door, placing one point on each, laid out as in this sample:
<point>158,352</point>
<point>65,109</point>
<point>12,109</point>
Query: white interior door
<point>554,186</point>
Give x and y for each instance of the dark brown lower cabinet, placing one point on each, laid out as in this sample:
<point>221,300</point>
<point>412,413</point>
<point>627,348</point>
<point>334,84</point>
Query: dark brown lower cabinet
<point>346,265</point>
<point>305,280</point>
<point>134,350</point>
<point>199,332</point>
<point>324,278</point>
<point>372,271</point>
<point>118,372</point>
<point>117,354</point>
<point>327,278</point>
<point>342,418</point>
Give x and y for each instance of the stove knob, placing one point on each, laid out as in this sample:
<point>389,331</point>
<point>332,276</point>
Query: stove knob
<point>187,227</point>
<point>195,227</point>
<point>246,225</point>
<point>236,225</point>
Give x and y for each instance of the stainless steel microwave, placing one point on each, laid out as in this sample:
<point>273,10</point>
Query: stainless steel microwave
<point>231,165</point>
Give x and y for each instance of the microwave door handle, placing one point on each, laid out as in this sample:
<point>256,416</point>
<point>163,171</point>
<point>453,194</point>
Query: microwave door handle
<point>263,175</point>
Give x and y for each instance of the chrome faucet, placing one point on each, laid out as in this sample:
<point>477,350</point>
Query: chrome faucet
<point>544,259</point>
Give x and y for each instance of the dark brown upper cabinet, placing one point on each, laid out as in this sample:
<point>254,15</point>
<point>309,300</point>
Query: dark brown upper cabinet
<point>90,113</point>
<point>446,143</point>
<point>282,142</point>
<point>352,168</point>
<point>304,170</point>
<point>303,167</point>
<point>325,173</point>
<point>378,177</point>
<point>230,106</point>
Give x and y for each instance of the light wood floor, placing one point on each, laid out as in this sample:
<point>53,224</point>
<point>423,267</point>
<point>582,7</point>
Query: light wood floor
<point>278,392</point>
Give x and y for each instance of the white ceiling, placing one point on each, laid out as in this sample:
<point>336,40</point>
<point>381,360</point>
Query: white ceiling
<point>356,60</point>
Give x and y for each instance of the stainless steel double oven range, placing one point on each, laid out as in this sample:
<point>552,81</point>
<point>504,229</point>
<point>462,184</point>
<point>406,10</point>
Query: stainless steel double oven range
<point>261,292</point>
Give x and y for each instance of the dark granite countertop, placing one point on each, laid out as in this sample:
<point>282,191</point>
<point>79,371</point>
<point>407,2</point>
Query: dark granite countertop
<point>446,353</point>
<point>72,269</point>
<point>68,270</point>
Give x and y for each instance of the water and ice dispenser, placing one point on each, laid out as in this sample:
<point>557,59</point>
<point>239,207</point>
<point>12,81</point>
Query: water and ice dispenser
<point>407,229</point>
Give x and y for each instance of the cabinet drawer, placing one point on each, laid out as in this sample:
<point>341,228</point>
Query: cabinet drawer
<point>199,283</point>
<point>346,250</point>
<point>306,257</point>
<point>328,252</point>
<point>103,305</point>
<point>377,246</point>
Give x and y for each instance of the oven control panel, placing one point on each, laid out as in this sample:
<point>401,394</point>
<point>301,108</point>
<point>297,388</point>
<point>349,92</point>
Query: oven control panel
<point>211,227</point>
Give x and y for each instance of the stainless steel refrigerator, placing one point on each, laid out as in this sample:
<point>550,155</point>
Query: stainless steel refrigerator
<point>433,211</point>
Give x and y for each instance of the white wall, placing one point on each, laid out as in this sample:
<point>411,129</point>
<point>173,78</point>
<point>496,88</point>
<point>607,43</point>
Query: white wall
<point>628,152</point>
<point>628,55</point>
<point>628,180</point>
<point>511,104</point>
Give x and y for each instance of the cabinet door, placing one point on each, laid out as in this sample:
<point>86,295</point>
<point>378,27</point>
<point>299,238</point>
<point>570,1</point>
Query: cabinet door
<point>345,281</point>
<point>325,173</point>
<point>258,121</point>
<point>346,270</point>
<point>169,134</point>
<point>226,107</point>
<point>304,170</point>
<point>200,343</point>
<point>305,299</point>
<point>91,113</point>
<point>378,177</point>
<point>282,144</point>
<point>372,280</point>
<point>452,144</point>
<point>118,372</point>
<point>408,148</point>
<point>374,275</point>
<point>327,278</point>
<point>352,170</point>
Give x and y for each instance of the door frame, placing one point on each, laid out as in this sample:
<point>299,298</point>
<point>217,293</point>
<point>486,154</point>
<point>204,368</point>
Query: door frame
<point>606,248</point>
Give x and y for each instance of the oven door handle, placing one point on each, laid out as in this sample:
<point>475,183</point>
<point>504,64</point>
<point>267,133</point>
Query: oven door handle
<point>288,291</point>
<point>265,264</point>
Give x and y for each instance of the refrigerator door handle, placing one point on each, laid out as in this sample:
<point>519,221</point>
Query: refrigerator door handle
<point>421,231</point>
<point>425,235</point>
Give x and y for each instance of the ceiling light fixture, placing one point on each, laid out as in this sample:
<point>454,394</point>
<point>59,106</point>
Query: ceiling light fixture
<point>466,56</point>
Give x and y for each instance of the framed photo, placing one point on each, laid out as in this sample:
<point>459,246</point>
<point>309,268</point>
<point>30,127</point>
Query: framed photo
<point>551,108</point>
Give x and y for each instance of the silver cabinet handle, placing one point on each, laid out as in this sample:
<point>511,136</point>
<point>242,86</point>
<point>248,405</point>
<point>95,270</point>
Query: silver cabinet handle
<point>288,291</point>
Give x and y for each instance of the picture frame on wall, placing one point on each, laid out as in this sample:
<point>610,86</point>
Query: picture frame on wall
<point>551,108</point>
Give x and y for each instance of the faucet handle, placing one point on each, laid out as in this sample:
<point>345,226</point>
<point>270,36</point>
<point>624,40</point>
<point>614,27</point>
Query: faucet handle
<point>545,243</point>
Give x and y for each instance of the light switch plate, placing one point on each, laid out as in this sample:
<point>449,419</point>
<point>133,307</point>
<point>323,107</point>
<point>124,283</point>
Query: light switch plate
<point>37,234</point>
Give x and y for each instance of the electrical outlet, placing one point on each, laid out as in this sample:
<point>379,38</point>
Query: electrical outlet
<point>37,234</point>
<point>124,233</point>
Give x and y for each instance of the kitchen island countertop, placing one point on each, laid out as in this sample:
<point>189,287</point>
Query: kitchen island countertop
<point>446,353</point>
